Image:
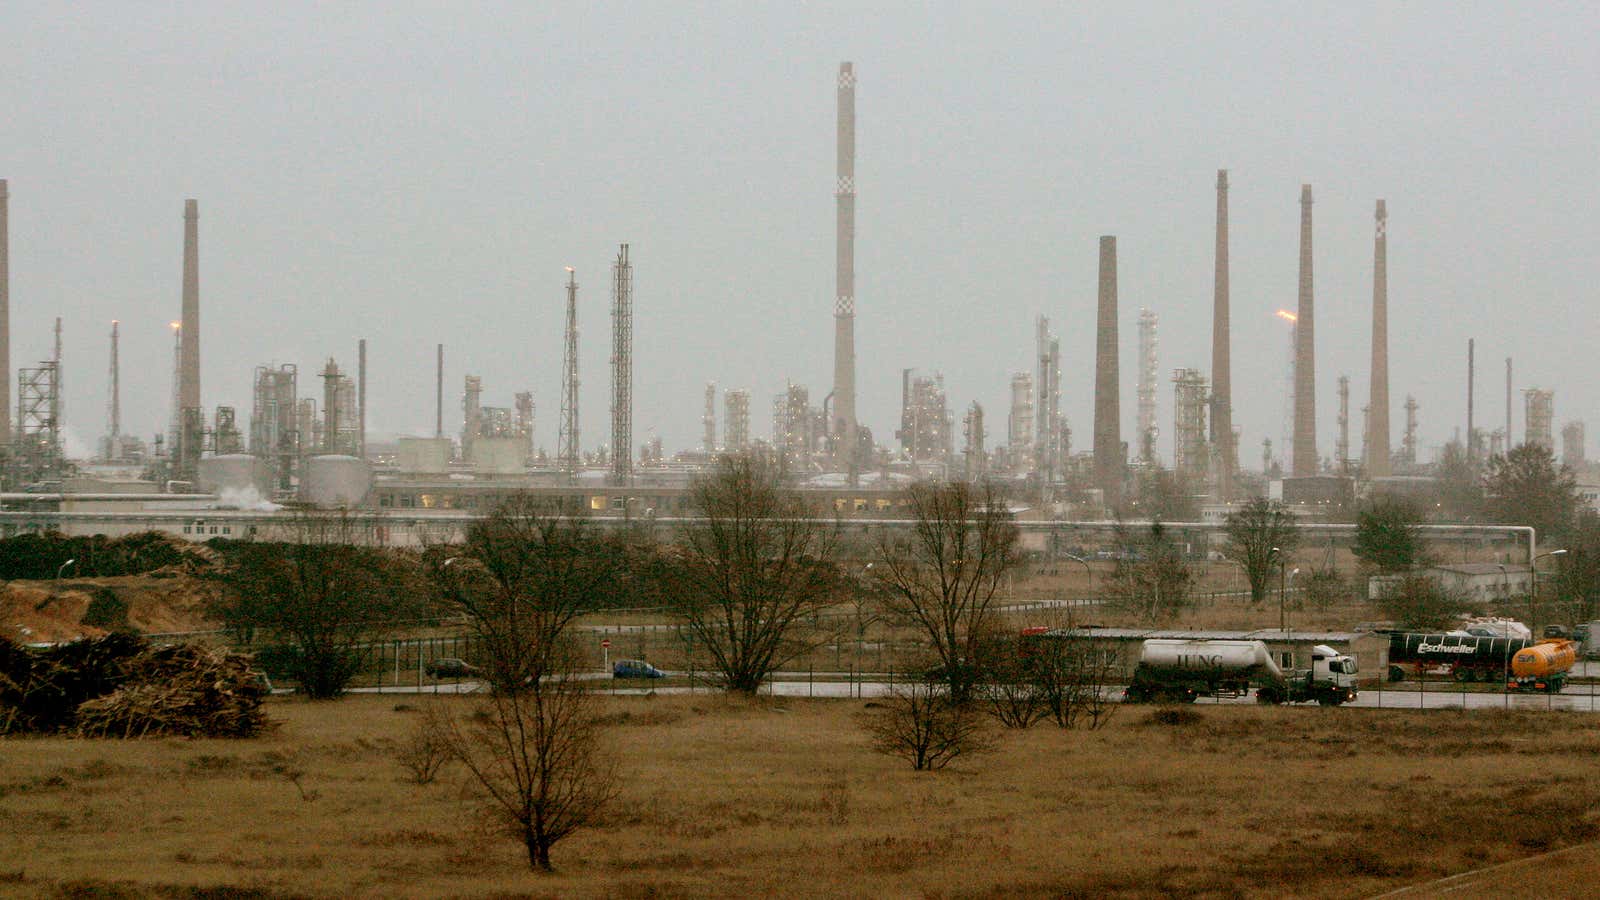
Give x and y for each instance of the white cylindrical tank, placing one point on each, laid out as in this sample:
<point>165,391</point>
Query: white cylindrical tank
<point>233,473</point>
<point>335,480</point>
<point>1208,656</point>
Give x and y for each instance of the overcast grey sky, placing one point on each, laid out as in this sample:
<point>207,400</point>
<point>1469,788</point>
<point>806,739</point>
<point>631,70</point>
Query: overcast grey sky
<point>413,174</point>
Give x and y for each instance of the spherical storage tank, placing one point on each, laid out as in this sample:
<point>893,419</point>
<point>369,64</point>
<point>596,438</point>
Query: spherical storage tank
<point>335,481</point>
<point>232,472</point>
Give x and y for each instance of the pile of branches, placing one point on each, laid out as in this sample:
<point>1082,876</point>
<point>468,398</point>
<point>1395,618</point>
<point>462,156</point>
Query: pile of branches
<point>119,686</point>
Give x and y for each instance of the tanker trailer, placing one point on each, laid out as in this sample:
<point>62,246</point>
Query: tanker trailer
<point>1543,666</point>
<point>1466,657</point>
<point>1182,670</point>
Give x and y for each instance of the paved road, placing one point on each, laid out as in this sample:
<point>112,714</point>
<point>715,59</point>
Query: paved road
<point>1399,699</point>
<point>1578,698</point>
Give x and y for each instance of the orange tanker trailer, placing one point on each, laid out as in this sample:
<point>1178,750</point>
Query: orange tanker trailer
<point>1543,666</point>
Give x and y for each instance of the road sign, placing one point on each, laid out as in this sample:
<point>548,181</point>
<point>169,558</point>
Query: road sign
<point>605,643</point>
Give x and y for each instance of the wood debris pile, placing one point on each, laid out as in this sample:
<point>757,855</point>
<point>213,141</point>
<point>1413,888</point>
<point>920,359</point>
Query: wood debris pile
<point>119,686</point>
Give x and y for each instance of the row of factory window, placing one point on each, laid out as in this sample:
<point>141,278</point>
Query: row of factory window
<point>665,505</point>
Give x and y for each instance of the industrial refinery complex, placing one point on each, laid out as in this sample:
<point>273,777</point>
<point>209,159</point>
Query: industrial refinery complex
<point>301,439</point>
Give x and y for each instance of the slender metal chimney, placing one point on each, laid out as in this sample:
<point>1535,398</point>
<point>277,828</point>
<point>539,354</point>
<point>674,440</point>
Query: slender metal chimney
<point>1378,402</point>
<point>1472,434</point>
<point>5,312</point>
<point>1472,378</point>
<point>1109,457</point>
<point>361,398</point>
<point>844,301</point>
<point>114,414</point>
<point>1221,366</point>
<point>1305,360</point>
<point>438,397</point>
<point>1509,441</point>
<point>189,388</point>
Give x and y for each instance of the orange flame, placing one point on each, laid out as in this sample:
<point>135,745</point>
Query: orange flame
<point>1287,316</point>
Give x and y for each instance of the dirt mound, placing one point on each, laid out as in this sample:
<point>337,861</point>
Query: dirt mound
<point>157,603</point>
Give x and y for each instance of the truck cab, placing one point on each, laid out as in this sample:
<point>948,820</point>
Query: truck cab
<point>1332,678</point>
<point>1328,664</point>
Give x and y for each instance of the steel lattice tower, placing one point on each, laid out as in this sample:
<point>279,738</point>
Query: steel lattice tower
<point>622,368</point>
<point>1408,442</point>
<point>736,427</point>
<point>1047,422</point>
<point>1148,430</point>
<point>567,443</point>
<point>973,431</point>
<point>1341,444</point>
<point>709,420</point>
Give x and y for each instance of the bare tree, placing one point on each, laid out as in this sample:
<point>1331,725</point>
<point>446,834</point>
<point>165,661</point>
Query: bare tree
<point>1421,603</point>
<point>1151,581</point>
<point>1261,535</point>
<point>322,586</point>
<point>521,576</point>
<point>942,575</point>
<point>422,750</point>
<point>1389,536</point>
<point>920,723</point>
<point>754,569</point>
<point>535,757</point>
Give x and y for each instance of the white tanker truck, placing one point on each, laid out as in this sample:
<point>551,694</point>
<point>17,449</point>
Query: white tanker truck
<point>1179,671</point>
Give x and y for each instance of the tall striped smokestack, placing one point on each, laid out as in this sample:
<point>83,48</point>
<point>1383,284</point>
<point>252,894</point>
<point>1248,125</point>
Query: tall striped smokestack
<point>1305,359</point>
<point>1221,373</point>
<point>1109,457</point>
<point>1378,415</point>
<point>189,356</point>
<point>5,312</point>
<point>844,301</point>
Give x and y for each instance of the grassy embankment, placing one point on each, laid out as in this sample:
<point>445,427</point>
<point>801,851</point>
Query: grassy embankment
<point>733,799</point>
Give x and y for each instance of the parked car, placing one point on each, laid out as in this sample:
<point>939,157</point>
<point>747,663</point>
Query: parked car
<point>450,667</point>
<point>635,668</point>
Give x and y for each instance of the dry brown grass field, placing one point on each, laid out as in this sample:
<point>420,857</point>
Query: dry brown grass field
<point>728,798</point>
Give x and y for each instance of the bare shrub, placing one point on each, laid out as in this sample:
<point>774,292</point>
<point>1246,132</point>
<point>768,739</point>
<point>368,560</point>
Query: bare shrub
<point>1073,679</point>
<point>922,725</point>
<point>423,751</point>
<point>1173,716</point>
<point>1012,694</point>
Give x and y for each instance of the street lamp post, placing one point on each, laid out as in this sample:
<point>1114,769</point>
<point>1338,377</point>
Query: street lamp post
<point>1087,569</point>
<point>63,568</point>
<point>1533,581</point>
<point>1276,553</point>
<point>1283,617</point>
